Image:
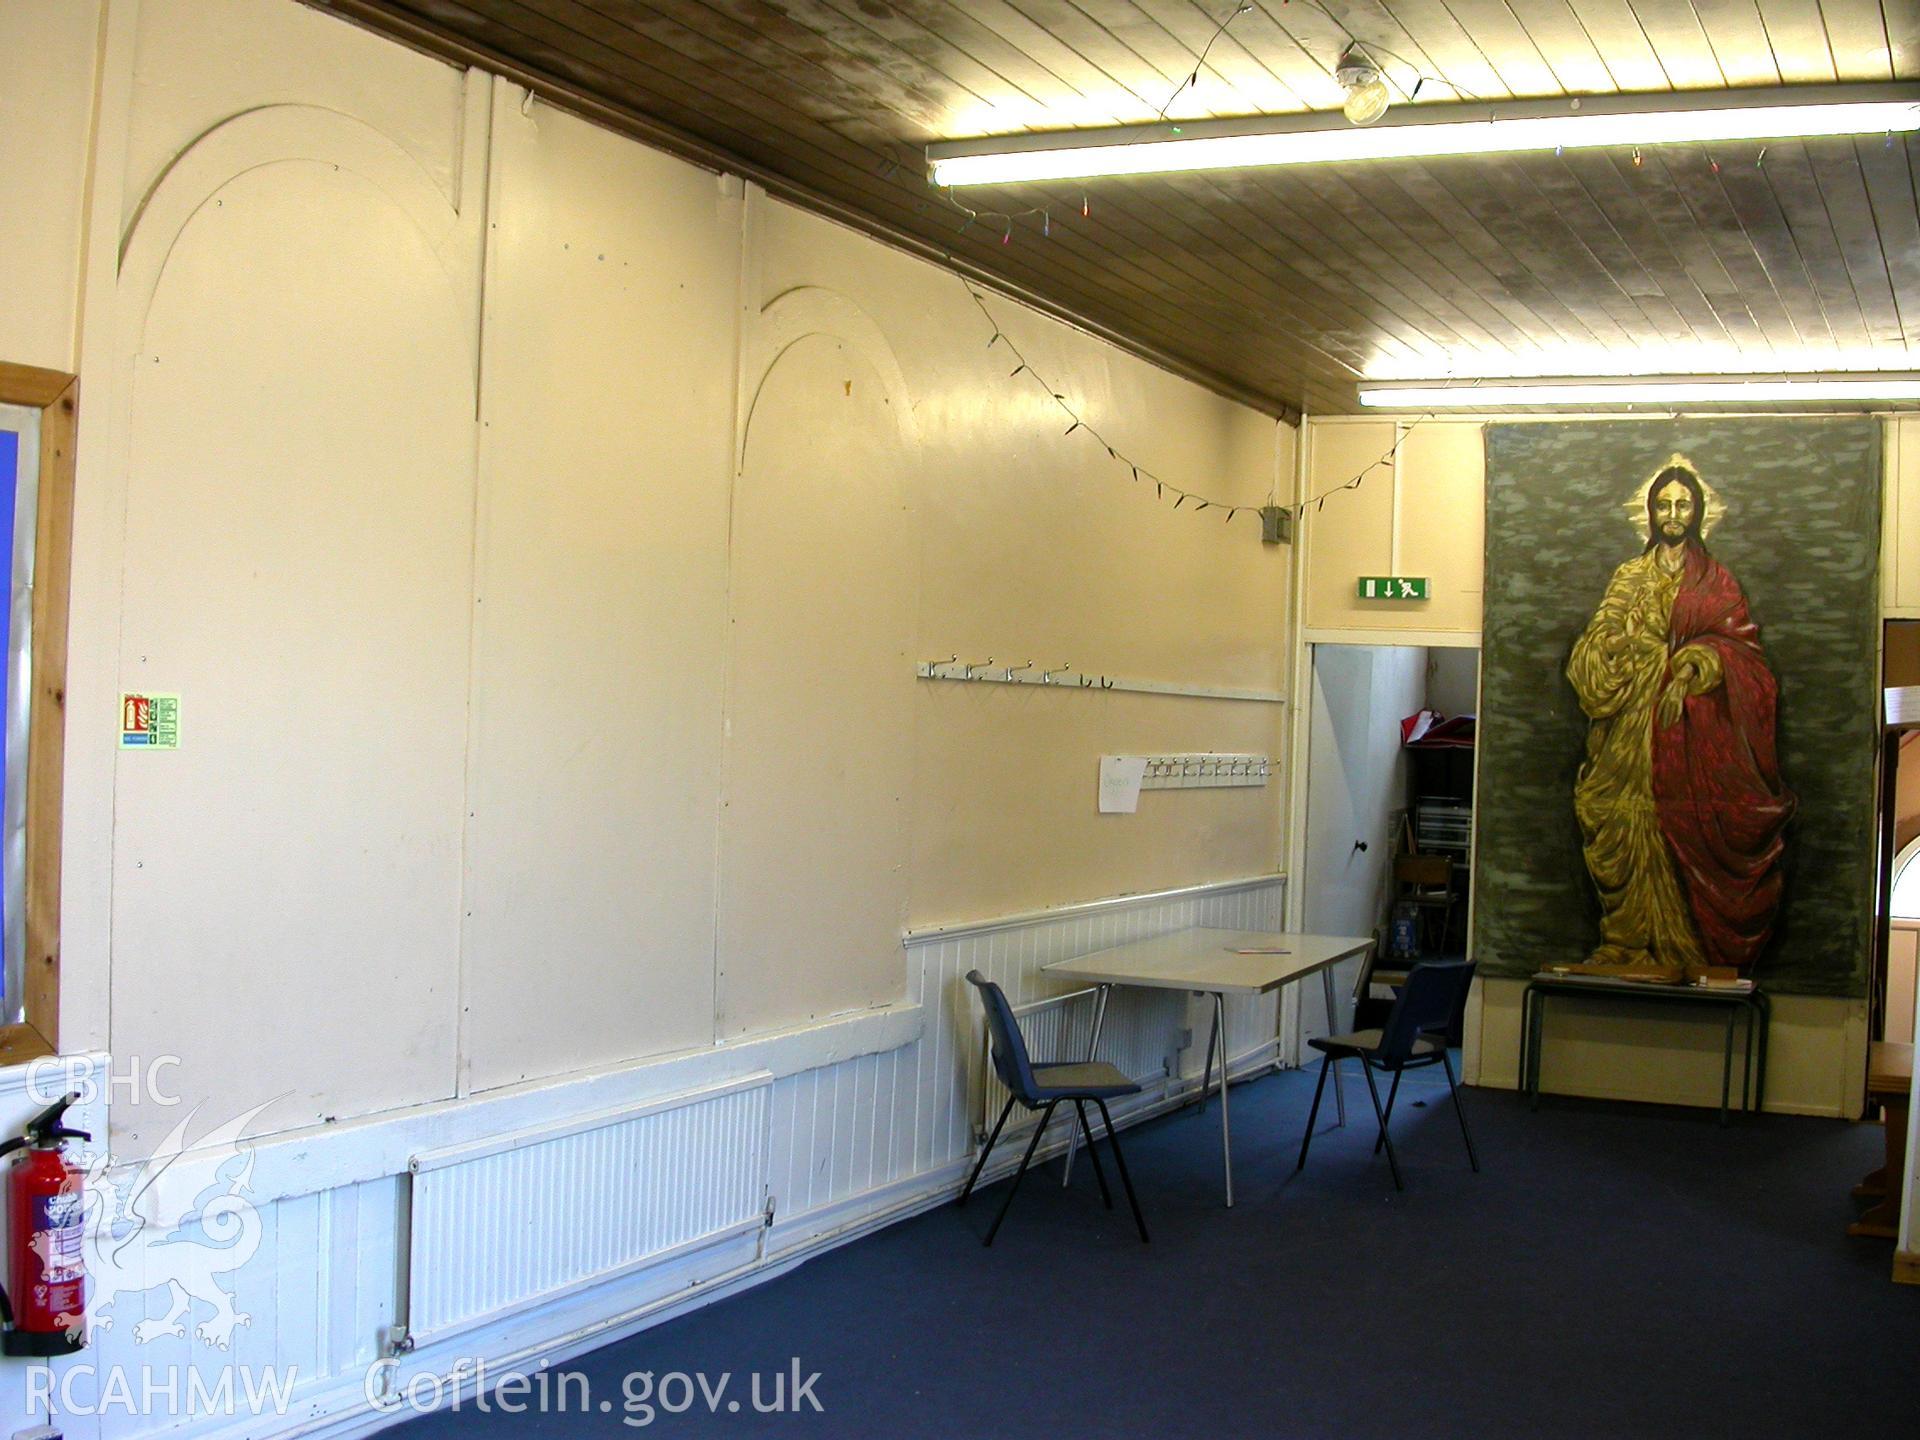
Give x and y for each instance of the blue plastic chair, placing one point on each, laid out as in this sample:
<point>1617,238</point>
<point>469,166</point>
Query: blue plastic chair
<point>1414,1036</point>
<point>1042,1087</point>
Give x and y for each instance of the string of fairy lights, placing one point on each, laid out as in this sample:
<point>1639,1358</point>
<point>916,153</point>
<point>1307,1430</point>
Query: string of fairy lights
<point>1193,75</point>
<point>1078,424</point>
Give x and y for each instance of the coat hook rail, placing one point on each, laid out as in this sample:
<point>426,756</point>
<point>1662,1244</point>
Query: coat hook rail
<point>1068,677</point>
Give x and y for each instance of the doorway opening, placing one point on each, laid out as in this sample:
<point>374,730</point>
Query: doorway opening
<point>1896,955</point>
<point>1389,798</point>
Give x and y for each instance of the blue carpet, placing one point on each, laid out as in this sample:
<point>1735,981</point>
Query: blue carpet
<point>1615,1271</point>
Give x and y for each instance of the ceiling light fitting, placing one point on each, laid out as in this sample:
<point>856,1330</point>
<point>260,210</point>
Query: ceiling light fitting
<point>1367,93</point>
<point>1782,112</point>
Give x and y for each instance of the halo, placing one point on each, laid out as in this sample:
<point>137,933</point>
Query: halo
<point>1636,505</point>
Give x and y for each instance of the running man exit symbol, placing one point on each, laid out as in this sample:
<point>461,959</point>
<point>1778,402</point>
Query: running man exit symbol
<point>1392,587</point>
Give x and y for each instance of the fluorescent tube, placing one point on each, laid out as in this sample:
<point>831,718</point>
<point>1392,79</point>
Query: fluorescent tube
<point>1417,131</point>
<point>1675,390</point>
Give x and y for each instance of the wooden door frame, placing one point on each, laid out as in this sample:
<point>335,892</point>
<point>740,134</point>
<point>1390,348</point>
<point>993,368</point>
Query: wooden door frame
<point>55,395</point>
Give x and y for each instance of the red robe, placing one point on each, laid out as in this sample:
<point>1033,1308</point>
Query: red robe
<point>1716,776</point>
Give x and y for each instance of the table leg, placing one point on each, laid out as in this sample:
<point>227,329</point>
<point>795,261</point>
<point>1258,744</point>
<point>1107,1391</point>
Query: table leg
<point>1093,1051</point>
<point>1726,1067</point>
<point>1333,1028</point>
<point>1533,1048</point>
<point>1746,1061</point>
<point>1882,1221</point>
<point>1526,1023</point>
<point>1765,1006</point>
<point>1214,1037</point>
<point>1226,1134</point>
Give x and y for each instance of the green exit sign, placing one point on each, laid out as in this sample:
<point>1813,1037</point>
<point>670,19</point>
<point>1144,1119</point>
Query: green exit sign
<point>1392,587</point>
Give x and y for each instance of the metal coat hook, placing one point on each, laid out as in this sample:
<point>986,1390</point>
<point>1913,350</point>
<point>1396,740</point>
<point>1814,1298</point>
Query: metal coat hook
<point>1066,675</point>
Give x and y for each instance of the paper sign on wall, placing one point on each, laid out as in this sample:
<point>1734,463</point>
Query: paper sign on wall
<point>149,722</point>
<point>1120,777</point>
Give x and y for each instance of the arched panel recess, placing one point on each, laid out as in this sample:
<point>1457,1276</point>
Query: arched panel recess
<point>815,841</point>
<point>807,310</point>
<point>297,569</point>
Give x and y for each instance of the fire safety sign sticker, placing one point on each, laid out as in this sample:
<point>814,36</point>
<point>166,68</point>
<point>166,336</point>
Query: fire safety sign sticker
<point>149,722</point>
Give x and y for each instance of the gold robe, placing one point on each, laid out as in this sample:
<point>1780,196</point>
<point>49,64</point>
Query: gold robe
<point>1619,669</point>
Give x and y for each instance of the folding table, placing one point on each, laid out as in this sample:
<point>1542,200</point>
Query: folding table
<point>1217,963</point>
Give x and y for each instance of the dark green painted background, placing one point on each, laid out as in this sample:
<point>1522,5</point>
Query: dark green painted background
<point>1802,536</point>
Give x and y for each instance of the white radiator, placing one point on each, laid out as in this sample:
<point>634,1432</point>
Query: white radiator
<point>518,1219</point>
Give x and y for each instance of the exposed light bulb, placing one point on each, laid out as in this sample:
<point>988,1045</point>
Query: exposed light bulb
<point>1367,94</point>
<point>1367,103</point>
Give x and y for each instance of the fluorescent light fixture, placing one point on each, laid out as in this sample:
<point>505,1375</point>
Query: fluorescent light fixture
<point>1659,390</point>
<point>1784,112</point>
<point>1555,361</point>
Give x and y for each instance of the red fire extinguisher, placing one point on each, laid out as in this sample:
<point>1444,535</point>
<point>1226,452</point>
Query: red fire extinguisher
<point>46,1300</point>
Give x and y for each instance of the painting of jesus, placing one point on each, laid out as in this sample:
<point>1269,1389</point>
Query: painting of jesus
<point>1681,807</point>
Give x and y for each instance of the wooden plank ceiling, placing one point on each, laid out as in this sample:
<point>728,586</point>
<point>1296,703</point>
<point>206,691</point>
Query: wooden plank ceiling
<point>1284,286</point>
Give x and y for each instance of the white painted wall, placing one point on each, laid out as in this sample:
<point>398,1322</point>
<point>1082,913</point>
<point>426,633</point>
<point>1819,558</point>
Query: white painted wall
<point>471,473</point>
<point>1034,545</point>
<point>1453,680</point>
<point>47,56</point>
<point>462,602</point>
<point>600,611</point>
<point>815,840</point>
<point>1903,966</point>
<point>299,543</point>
